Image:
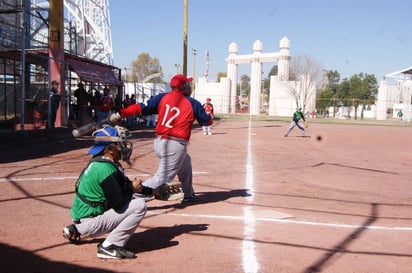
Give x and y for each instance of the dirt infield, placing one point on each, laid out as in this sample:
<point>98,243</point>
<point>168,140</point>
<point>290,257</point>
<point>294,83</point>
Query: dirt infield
<point>339,200</point>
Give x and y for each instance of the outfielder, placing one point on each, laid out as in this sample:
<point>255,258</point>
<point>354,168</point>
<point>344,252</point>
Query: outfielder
<point>208,106</point>
<point>297,116</point>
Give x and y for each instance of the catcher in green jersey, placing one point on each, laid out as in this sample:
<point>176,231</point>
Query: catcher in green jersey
<point>103,200</point>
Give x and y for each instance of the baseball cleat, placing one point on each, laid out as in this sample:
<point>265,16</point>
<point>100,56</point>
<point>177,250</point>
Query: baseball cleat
<point>193,198</point>
<point>113,252</point>
<point>70,233</point>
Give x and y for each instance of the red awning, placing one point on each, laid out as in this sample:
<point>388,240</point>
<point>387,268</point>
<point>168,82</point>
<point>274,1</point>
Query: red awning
<point>90,72</point>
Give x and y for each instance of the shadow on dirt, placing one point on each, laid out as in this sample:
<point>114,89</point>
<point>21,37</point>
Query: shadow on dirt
<point>205,198</point>
<point>13,259</point>
<point>161,237</point>
<point>18,146</point>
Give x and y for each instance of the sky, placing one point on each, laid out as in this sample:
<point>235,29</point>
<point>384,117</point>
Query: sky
<point>348,36</point>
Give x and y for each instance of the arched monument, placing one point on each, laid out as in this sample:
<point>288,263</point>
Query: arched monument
<point>256,59</point>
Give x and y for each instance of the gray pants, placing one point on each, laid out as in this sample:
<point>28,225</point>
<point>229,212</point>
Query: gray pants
<point>174,160</point>
<point>120,225</point>
<point>292,125</point>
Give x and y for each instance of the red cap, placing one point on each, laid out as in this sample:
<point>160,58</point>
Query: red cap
<point>208,99</point>
<point>179,80</point>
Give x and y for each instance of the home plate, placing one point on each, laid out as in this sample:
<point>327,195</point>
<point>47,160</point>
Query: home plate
<point>273,214</point>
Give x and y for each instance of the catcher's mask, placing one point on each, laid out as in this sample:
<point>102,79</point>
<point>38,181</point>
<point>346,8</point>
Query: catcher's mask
<point>108,135</point>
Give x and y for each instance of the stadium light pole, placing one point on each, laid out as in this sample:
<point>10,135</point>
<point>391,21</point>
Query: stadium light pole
<point>125,79</point>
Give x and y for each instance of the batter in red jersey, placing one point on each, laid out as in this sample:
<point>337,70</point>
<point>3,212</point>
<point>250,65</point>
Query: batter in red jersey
<point>176,113</point>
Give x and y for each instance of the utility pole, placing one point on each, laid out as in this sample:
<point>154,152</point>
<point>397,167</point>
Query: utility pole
<point>56,54</point>
<point>185,37</point>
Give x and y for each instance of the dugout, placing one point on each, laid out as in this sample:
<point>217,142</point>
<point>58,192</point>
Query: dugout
<point>24,90</point>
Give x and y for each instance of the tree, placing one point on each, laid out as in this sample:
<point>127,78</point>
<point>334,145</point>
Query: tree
<point>144,66</point>
<point>266,82</point>
<point>360,89</point>
<point>244,85</point>
<point>305,76</point>
<point>221,75</point>
<point>327,95</point>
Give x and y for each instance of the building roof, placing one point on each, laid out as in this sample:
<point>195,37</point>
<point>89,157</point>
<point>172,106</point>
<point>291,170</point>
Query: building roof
<point>402,74</point>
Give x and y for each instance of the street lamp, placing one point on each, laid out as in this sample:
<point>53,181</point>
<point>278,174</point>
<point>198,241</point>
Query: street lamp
<point>125,78</point>
<point>194,52</point>
<point>177,68</point>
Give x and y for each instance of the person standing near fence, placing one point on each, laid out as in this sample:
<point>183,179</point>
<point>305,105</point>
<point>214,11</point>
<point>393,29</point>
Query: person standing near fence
<point>104,106</point>
<point>54,102</point>
<point>82,99</point>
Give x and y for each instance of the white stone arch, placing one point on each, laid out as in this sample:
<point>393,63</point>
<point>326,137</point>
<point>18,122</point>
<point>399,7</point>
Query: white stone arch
<point>256,59</point>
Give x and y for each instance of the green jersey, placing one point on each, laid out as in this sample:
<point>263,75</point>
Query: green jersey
<point>90,187</point>
<point>298,115</point>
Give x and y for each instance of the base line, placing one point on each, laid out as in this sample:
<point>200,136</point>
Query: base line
<point>286,221</point>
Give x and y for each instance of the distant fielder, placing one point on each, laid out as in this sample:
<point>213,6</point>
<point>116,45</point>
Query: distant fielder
<point>297,116</point>
<point>208,106</point>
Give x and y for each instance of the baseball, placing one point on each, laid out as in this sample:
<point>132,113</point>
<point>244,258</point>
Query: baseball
<point>319,139</point>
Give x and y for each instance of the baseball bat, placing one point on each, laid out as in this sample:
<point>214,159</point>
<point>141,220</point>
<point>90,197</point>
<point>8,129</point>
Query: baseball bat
<point>84,130</point>
<point>90,127</point>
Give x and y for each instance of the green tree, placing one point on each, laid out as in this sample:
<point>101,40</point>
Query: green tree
<point>266,82</point>
<point>244,86</point>
<point>220,75</point>
<point>145,66</point>
<point>360,90</point>
<point>326,96</point>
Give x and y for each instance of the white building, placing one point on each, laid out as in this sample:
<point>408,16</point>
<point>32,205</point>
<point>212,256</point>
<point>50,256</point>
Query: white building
<point>281,100</point>
<point>395,94</point>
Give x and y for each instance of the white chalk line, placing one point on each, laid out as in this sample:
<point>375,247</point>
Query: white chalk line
<point>249,259</point>
<point>228,217</point>
<point>286,221</point>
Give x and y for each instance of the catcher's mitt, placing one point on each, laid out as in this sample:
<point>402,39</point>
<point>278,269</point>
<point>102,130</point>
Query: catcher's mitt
<point>169,192</point>
<point>137,185</point>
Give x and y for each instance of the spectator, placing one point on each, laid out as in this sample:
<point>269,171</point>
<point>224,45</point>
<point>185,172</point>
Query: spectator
<point>104,107</point>
<point>54,102</point>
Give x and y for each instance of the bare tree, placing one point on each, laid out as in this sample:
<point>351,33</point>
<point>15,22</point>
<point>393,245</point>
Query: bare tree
<point>305,76</point>
<point>144,66</point>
